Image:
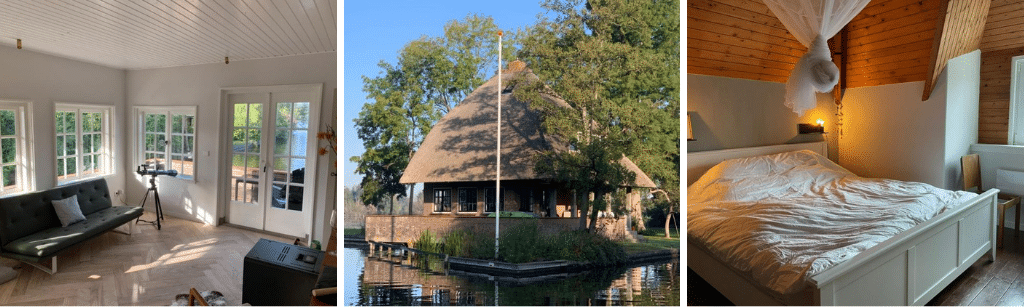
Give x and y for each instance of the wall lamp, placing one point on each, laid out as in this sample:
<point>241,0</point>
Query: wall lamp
<point>819,127</point>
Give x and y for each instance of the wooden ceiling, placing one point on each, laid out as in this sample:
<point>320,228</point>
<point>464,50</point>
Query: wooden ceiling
<point>131,34</point>
<point>890,41</point>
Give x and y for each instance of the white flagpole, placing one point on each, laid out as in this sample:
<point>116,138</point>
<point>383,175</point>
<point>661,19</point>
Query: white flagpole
<point>497,185</point>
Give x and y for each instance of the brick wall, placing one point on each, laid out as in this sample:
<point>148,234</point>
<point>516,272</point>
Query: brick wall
<point>408,228</point>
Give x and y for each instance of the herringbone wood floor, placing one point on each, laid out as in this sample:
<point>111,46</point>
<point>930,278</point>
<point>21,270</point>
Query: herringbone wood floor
<point>148,268</point>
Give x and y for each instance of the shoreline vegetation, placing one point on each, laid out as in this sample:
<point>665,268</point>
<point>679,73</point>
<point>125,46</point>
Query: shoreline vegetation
<point>525,244</point>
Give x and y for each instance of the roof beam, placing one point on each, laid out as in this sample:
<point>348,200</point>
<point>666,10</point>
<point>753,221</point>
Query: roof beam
<point>958,31</point>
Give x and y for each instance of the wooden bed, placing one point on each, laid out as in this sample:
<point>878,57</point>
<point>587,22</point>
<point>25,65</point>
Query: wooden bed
<point>908,269</point>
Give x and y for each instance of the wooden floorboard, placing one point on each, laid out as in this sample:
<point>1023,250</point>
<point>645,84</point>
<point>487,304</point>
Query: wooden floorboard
<point>150,267</point>
<point>984,283</point>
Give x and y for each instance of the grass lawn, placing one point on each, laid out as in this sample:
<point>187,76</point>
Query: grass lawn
<point>653,243</point>
<point>354,231</point>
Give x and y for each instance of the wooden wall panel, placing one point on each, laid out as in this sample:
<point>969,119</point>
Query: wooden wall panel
<point>1002,40</point>
<point>961,25</point>
<point>738,39</point>
<point>890,42</point>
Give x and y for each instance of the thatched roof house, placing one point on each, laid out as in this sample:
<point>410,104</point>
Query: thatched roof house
<point>461,146</point>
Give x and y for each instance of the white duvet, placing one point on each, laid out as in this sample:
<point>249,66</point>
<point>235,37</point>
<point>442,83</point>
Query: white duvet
<point>785,217</point>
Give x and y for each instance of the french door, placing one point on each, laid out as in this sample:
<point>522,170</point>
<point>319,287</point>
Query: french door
<point>272,156</point>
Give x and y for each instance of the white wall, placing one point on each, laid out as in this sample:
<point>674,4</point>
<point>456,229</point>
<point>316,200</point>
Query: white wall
<point>45,79</point>
<point>200,86</point>
<point>891,133</point>
<point>734,113</point>
<point>963,91</point>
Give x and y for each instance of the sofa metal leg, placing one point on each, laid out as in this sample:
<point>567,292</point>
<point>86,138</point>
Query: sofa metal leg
<point>51,270</point>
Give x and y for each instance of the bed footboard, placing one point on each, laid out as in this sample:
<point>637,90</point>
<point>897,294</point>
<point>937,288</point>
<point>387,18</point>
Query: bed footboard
<point>912,267</point>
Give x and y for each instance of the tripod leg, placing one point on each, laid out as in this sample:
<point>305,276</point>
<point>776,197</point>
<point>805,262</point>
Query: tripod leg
<point>159,209</point>
<point>143,206</point>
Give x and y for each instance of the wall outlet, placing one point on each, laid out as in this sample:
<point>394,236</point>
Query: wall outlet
<point>118,193</point>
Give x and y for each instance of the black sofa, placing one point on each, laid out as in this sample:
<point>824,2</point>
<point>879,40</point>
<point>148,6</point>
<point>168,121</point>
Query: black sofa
<point>31,232</point>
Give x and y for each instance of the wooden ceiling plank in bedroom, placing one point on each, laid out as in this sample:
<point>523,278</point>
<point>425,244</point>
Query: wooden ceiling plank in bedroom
<point>959,28</point>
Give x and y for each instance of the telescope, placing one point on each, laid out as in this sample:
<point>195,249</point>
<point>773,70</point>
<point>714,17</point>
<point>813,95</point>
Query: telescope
<point>143,170</point>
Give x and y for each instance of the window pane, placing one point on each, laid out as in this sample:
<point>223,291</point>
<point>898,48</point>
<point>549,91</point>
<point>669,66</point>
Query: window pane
<point>176,146</point>
<point>280,194</point>
<point>281,142</point>
<point>189,142</point>
<point>58,119</point>
<point>9,152</point>
<point>190,124</point>
<point>10,176</point>
<point>86,143</point>
<point>60,167</point>
<point>176,126</point>
<point>176,163</point>
<point>7,125</point>
<point>69,144</point>
<point>160,141</point>
<point>188,166</point>
<point>281,169</point>
<point>301,118</point>
<point>295,198</point>
<point>98,164</point>
<point>69,122</point>
<point>96,122</point>
<point>72,166</point>
<point>241,115</point>
<point>255,115</point>
<point>284,114</point>
<point>298,170</point>
<point>97,142</point>
<point>86,164</point>
<point>299,143</point>
<point>253,140</point>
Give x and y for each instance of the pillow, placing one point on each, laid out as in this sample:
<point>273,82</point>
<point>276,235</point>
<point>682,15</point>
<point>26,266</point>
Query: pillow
<point>68,211</point>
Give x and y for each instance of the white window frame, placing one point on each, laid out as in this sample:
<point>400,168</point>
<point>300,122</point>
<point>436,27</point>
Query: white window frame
<point>170,112</point>
<point>106,150</point>
<point>1016,125</point>
<point>24,158</point>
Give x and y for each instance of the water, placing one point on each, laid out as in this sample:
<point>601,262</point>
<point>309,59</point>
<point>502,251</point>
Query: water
<point>371,281</point>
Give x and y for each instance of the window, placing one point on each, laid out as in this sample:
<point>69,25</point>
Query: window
<point>1016,131</point>
<point>82,142</point>
<point>442,200</point>
<point>15,148</point>
<point>489,202</point>
<point>167,139</point>
<point>467,200</point>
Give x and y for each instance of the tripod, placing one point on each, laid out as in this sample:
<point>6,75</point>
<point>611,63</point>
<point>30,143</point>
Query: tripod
<point>156,197</point>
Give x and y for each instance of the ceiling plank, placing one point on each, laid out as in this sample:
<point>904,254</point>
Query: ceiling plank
<point>958,31</point>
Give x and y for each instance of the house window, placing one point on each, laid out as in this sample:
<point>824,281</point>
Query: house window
<point>82,142</point>
<point>489,202</point>
<point>467,200</point>
<point>167,139</point>
<point>442,200</point>
<point>15,148</point>
<point>1016,129</point>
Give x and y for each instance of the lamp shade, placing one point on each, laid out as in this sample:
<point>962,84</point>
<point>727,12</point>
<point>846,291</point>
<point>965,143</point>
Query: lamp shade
<point>689,129</point>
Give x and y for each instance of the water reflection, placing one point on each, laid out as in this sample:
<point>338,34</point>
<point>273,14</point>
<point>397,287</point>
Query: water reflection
<point>370,281</point>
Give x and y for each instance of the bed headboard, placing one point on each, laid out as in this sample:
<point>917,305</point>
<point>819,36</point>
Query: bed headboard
<point>699,162</point>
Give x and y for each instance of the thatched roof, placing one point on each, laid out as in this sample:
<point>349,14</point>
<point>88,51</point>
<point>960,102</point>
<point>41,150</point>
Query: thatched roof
<point>461,146</point>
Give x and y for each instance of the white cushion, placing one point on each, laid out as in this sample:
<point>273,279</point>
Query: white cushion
<point>68,211</point>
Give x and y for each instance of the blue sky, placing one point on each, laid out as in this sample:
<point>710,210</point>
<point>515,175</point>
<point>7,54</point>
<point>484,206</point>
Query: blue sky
<point>376,30</point>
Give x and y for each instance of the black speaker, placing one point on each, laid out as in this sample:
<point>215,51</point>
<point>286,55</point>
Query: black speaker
<point>279,274</point>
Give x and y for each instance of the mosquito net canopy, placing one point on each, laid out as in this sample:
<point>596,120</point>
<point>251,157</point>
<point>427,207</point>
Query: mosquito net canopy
<point>813,22</point>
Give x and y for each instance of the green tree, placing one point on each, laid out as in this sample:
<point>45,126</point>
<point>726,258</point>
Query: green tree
<point>616,65</point>
<point>431,76</point>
